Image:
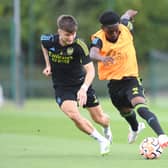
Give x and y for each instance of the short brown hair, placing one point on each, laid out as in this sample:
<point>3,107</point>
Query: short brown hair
<point>67,23</point>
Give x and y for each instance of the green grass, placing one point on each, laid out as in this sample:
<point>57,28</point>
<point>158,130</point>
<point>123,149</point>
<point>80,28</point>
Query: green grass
<point>39,135</point>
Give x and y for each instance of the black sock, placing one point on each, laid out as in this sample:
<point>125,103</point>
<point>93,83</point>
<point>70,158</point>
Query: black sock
<point>131,119</point>
<point>151,119</point>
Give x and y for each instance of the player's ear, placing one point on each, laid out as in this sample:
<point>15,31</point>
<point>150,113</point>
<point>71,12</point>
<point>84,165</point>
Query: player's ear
<point>59,30</point>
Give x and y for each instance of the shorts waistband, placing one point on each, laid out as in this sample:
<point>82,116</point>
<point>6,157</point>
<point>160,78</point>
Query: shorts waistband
<point>124,78</point>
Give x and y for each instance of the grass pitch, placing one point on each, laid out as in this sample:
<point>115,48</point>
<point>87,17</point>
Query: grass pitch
<point>39,135</point>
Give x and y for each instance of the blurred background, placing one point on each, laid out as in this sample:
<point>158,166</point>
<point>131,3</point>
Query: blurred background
<point>23,21</point>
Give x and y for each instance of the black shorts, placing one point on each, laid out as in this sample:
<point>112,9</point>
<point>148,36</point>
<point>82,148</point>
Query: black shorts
<point>70,93</point>
<point>122,91</point>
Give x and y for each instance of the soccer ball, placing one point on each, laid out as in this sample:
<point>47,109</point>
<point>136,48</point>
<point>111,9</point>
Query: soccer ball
<point>150,148</point>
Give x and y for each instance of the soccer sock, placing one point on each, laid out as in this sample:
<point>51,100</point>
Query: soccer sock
<point>151,119</point>
<point>107,129</point>
<point>96,135</point>
<point>131,119</point>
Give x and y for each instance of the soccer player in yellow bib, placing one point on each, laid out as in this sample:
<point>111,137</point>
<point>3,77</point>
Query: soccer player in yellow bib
<point>113,48</point>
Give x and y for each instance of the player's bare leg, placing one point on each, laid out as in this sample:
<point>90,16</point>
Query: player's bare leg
<point>103,119</point>
<point>71,110</point>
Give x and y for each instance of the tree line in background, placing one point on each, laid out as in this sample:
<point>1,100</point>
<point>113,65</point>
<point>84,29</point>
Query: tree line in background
<point>39,16</point>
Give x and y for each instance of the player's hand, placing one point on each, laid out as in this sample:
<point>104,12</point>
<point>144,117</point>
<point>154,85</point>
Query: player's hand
<point>47,71</point>
<point>130,14</point>
<point>82,97</point>
<point>107,60</point>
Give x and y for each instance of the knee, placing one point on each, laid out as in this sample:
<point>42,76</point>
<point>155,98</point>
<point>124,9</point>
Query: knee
<point>141,108</point>
<point>143,111</point>
<point>125,112</point>
<point>97,118</point>
<point>101,119</point>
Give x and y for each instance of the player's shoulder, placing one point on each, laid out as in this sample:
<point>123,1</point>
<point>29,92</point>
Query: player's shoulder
<point>96,40</point>
<point>127,23</point>
<point>49,40</point>
<point>81,43</point>
<point>98,36</point>
<point>48,37</point>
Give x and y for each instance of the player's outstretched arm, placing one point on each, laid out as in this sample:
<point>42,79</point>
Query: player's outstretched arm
<point>129,14</point>
<point>128,17</point>
<point>47,69</point>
